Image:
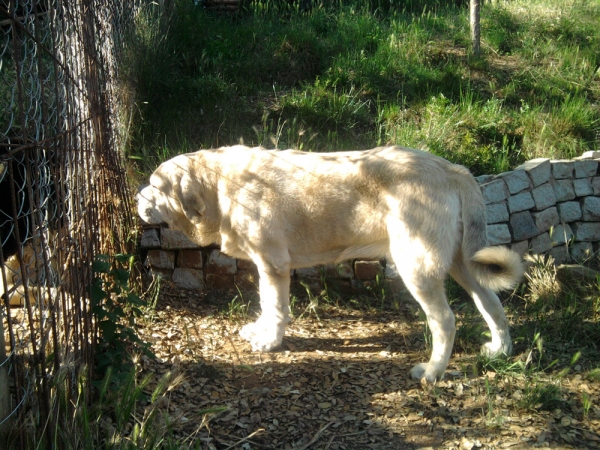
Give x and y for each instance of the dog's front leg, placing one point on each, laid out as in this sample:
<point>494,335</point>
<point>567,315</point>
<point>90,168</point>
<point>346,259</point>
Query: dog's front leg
<point>267,332</point>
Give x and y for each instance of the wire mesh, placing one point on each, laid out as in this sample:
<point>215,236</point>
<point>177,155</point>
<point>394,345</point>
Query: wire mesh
<point>63,191</point>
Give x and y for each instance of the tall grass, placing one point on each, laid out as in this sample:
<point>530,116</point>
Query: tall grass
<point>355,74</point>
<point>130,416</point>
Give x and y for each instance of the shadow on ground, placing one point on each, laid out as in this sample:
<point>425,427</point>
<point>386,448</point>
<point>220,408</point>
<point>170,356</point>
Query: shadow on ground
<point>341,381</point>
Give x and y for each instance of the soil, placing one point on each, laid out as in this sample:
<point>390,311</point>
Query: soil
<point>340,381</point>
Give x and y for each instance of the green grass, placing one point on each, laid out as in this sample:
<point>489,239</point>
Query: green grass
<point>357,74</point>
<point>555,325</point>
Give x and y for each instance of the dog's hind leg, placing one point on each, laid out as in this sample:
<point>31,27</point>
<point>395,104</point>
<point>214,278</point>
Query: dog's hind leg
<point>267,332</point>
<point>489,306</point>
<point>429,293</point>
<point>427,288</point>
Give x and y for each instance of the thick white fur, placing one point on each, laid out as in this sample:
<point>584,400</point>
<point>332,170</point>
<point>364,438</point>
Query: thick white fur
<point>287,209</point>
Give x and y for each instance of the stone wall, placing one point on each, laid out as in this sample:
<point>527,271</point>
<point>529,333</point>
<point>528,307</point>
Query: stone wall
<point>174,257</point>
<point>546,206</point>
<point>543,207</point>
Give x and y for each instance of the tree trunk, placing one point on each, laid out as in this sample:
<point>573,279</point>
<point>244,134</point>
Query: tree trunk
<point>475,27</point>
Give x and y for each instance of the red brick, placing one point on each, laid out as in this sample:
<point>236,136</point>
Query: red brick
<point>215,281</point>
<point>191,259</point>
<point>367,270</point>
<point>246,280</point>
<point>246,264</point>
<point>220,264</point>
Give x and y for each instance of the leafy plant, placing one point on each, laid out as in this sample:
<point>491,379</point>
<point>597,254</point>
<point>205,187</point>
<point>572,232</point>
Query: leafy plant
<point>115,308</point>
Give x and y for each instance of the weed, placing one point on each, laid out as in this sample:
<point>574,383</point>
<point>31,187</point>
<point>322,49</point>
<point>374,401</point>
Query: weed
<point>331,290</point>
<point>140,420</point>
<point>313,302</point>
<point>378,291</point>
<point>294,302</point>
<point>470,325</point>
<point>324,107</point>
<point>541,395</point>
<point>126,413</point>
<point>542,281</point>
<point>532,364</point>
<point>427,338</point>
<point>502,365</point>
<point>468,334</point>
<point>493,419</point>
<point>238,307</point>
<point>150,298</point>
<point>115,307</point>
<point>594,375</point>
<point>557,321</point>
<point>586,403</point>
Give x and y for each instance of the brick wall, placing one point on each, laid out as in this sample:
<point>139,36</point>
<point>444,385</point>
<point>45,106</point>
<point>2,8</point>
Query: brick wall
<point>543,206</point>
<point>171,255</point>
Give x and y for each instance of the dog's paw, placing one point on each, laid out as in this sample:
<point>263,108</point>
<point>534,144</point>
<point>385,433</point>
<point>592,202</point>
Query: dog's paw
<point>491,350</point>
<point>263,337</point>
<point>427,373</point>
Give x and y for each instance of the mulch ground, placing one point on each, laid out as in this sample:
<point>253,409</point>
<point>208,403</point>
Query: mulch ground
<point>341,381</point>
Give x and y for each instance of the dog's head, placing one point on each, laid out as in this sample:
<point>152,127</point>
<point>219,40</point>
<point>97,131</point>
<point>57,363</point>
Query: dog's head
<point>174,195</point>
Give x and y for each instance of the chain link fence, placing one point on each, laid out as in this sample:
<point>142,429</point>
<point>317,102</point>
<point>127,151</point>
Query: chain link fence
<point>63,192</point>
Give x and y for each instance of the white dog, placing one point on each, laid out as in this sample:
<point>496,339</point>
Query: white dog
<point>290,209</point>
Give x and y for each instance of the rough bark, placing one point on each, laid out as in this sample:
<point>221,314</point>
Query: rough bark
<point>475,26</point>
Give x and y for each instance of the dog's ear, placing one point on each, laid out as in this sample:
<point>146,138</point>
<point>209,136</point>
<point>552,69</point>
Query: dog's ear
<point>190,198</point>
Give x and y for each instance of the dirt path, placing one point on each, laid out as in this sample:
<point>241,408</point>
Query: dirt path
<point>340,382</point>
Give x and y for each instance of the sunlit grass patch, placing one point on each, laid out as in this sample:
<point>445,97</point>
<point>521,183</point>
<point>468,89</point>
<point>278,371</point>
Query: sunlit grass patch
<point>359,74</point>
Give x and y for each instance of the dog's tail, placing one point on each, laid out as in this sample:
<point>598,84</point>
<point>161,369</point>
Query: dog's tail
<point>496,268</point>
